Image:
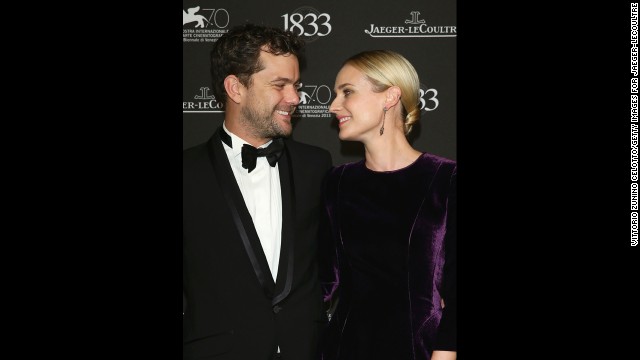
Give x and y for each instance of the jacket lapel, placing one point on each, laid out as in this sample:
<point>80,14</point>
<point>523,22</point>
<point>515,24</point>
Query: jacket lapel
<point>285,266</point>
<point>240,214</point>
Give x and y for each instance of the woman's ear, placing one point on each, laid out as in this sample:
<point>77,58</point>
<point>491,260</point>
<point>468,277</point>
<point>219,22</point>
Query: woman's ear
<point>232,87</point>
<point>392,96</point>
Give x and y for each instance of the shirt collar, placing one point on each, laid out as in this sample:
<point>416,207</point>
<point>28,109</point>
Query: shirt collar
<point>237,142</point>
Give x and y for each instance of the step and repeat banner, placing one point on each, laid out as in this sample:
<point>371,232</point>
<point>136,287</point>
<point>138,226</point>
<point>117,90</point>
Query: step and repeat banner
<point>423,31</point>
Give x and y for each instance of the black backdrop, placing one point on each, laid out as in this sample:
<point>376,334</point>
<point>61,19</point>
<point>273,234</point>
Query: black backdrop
<point>425,32</point>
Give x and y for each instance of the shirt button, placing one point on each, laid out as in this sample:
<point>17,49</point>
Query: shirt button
<point>276,309</point>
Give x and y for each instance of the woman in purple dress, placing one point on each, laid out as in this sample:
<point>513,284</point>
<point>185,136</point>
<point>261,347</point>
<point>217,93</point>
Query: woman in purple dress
<point>389,268</point>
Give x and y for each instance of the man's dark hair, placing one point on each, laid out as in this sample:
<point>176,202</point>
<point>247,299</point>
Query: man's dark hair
<point>238,51</point>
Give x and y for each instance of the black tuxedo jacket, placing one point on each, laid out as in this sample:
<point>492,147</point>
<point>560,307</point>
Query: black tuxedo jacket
<point>234,310</point>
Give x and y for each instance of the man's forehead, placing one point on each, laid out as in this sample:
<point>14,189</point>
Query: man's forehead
<point>265,54</point>
<point>278,65</point>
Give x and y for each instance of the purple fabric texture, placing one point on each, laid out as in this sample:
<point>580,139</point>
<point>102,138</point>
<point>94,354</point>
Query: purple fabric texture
<point>390,260</point>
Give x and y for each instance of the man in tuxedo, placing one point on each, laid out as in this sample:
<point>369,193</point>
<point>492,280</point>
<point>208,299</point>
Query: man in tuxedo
<point>251,211</point>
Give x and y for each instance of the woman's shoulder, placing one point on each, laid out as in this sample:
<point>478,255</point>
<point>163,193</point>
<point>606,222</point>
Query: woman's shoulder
<point>439,164</point>
<point>437,160</point>
<point>337,170</point>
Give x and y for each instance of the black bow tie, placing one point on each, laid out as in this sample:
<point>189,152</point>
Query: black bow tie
<point>250,154</point>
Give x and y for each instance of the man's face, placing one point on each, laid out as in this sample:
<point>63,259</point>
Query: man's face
<point>272,97</point>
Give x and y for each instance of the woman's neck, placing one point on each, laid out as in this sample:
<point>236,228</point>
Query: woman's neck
<point>390,154</point>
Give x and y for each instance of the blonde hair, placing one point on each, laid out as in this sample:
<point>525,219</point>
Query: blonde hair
<point>386,68</point>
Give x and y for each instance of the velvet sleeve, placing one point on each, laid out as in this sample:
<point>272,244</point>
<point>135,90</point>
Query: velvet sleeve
<point>327,251</point>
<point>447,331</point>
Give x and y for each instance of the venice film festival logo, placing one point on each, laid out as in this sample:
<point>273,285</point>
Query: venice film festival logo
<point>314,101</point>
<point>200,25</point>
<point>414,27</point>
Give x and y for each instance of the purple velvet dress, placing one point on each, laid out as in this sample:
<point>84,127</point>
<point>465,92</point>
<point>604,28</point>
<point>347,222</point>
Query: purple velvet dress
<point>390,261</point>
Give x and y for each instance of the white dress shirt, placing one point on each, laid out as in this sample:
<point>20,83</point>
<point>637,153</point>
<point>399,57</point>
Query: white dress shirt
<point>261,192</point>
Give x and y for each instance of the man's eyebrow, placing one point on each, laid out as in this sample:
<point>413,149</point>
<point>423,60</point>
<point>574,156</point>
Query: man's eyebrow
<point>281,79</point>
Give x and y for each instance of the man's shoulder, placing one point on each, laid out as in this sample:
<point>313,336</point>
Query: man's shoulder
<point>304,146</point>
<point>307,154</point>
<point>193,150</point>
<point>297,147</point>
<point>195,153</point>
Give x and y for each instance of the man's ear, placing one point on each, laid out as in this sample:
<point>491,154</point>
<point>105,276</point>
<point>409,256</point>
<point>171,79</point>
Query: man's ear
<point>233,87</point>
<point>392,96</point>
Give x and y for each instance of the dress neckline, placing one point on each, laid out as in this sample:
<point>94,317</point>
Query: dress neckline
<point>364,164</point>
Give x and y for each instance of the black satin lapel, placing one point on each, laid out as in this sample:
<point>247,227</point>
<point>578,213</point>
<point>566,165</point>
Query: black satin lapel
<point>285,266</point>
<point>241,217</point>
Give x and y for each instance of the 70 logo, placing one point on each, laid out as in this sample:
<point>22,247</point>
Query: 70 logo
<point>306,98</point>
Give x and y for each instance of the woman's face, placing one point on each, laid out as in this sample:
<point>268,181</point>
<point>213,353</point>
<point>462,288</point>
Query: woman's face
<point>357,108</point>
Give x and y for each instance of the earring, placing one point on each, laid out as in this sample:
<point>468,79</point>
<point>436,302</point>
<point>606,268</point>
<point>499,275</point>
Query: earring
<point>384,115</point>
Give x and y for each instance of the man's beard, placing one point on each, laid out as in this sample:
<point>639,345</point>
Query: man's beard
<point>263,125</point>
